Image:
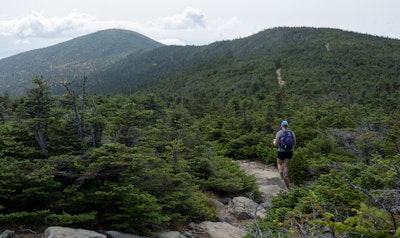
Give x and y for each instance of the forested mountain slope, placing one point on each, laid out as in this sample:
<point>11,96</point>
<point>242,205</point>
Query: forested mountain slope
<point>312,60</point>
<point>70,60</point>
<point>315,64</point>
<point>153,159</point>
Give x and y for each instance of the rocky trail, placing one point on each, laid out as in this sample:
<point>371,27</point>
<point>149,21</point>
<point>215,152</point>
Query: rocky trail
<point>267,176</point>
<point>236,215</point>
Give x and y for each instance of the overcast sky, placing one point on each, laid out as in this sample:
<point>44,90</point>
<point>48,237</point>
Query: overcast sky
<point>32,24</point>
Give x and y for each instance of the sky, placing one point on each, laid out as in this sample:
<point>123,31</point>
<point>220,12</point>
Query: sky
<point>33,24</point>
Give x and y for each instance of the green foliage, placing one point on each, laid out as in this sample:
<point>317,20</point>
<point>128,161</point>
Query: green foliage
<point>300,166</point>
<point>16,219</point>
<point>285,206</point>
<point>149,160</point>
<point>16,141</point>
<point>392,142</point>
<point>25,185</point>
<point>333,192</point>
<point>127,207</point>
<point>367,221</point>
<point>60,61</point>
<point>336,206</point>
<point>65,219</point>
<point>220,175</point>
<point>128,190</point>
<point>243,147</point>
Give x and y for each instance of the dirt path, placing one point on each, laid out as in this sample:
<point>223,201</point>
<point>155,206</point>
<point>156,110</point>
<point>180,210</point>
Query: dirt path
<point>279,76</point>
<point>269,182</point>
<point>267,177</point>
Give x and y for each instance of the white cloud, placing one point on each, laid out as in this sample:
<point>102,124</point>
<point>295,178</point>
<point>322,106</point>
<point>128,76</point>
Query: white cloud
<point>189,18</point>
<point>37,24</point>
<point>38,29</point>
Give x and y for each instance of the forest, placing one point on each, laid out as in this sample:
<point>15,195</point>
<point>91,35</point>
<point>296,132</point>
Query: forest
<point>152,159</point>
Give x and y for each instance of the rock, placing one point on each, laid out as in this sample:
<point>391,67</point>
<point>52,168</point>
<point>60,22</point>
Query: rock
<point>267,204</point>
<point>7,234</point>
<point>225,219</point>
<point>192,225</point>
<point>65,232</point>
<point>116,234</point>
<point>225,200</point>
<point>187,234</point>
<point>217,203</point>
<point>221,230</point>
<point>244,208</point>
<point>170,234</point>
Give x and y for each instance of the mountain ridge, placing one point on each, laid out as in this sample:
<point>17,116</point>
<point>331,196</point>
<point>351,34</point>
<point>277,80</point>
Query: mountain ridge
<point>349,69</point>
<point>74,58</point>
<point>305,54</point>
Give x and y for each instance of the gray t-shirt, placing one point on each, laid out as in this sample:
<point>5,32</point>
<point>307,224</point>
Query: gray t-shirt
<point>279,135</point>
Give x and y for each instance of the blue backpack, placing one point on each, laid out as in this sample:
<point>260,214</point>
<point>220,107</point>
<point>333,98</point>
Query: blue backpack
<point>287,140</point>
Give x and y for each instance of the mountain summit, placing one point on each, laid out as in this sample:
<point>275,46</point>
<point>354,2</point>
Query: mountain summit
<point>313,61</point>
<point>71,59</point>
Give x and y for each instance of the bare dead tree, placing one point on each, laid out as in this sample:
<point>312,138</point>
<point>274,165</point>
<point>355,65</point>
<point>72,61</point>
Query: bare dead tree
<point>84,93</point>
<point>255,220</point>
<point>79,121</point>
<point>377,201</point>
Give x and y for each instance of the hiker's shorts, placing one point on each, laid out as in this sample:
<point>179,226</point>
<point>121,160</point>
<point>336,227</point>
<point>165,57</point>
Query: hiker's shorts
<point>285,155</point>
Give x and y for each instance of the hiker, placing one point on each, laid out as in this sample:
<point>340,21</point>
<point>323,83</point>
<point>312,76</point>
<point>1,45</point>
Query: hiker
<point>286,141</point>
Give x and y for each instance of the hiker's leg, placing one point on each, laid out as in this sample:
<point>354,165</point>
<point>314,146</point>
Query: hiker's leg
<point>286,172</point>
<point>286,167</point>
<point>280,166</point>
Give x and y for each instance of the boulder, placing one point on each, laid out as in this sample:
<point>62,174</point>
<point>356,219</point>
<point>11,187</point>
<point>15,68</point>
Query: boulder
<point>221,230</point>
<point>117,234</point>
<point>244,208</point>
<point>7,234</point>
<point>64,232</point>
<point>170,234</point>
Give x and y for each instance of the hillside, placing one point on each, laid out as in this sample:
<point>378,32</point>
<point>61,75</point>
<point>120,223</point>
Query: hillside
<point>322,63</point>
<point>327,62</point>
<point>70,60</point>
<point>317,65</point>
<point>158,158</point>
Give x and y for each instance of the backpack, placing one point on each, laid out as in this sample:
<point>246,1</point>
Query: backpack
<point>287,140</point>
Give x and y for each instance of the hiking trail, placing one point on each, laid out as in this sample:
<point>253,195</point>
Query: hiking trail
<point>267,177</point>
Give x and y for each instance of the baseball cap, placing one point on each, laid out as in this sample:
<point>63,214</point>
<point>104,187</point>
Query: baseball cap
<point>284,123</point>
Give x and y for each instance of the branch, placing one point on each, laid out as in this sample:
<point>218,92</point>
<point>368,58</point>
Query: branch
<point>258,229</point>
<point>374,199</point>
<point>366,192</point>
<point>112,170</point>
<point>65,174</point>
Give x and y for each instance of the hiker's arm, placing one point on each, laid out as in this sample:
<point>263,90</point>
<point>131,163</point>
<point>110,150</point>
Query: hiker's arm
<point>276,141</point>
<point>295,141</point>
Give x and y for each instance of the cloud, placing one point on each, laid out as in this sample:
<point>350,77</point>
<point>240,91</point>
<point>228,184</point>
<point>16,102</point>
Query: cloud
<point>37,29</point>
<point>37,25</point>
<point>189,18</point>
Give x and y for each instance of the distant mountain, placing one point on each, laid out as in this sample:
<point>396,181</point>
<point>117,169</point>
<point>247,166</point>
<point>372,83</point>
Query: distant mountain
<point>317,62</point>
<point>72,59</point>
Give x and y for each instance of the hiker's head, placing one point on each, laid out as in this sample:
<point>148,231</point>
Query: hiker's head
<point>284,124</point>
